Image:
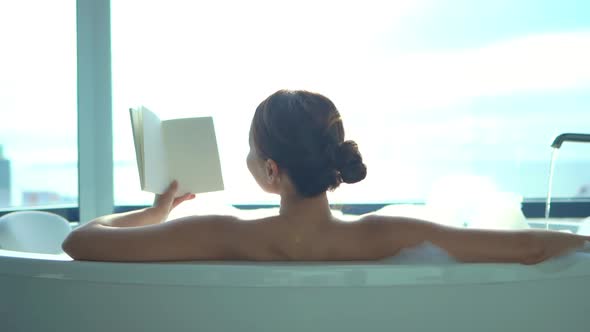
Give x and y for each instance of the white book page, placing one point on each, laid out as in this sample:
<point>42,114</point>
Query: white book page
<point>155,168</point>
<point>193,157</point>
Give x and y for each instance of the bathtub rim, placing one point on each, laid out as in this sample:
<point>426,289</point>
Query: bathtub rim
<point>287,274</point>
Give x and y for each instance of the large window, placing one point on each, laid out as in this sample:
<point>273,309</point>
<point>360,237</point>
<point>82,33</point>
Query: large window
<point>38,154</point>
<point>428,88</point>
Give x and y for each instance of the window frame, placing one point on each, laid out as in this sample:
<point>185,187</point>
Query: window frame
<point>532,208</point>
<point>95,124</point>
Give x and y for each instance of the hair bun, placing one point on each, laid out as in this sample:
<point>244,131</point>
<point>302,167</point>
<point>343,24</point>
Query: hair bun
<point>350,162</point>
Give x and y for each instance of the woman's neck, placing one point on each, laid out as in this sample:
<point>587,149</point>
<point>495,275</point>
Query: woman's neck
<point>305,209</point>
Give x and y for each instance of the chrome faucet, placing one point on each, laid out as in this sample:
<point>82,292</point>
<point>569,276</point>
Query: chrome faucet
<point>569,137</point>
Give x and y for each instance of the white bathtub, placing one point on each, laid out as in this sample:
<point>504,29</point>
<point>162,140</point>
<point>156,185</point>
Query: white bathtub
<point>53,293</point>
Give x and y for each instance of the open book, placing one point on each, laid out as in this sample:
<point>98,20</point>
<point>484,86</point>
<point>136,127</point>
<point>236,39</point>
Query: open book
<point>179,149</point>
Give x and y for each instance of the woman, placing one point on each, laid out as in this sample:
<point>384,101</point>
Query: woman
<point>297,150</point>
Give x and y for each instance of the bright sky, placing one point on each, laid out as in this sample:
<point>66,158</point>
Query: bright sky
<point>410,59</point>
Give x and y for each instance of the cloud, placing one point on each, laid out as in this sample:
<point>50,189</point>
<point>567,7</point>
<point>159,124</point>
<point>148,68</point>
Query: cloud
<point>542,62</point>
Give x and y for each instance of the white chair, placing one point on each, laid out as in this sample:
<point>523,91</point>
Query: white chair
<point>33,231</point>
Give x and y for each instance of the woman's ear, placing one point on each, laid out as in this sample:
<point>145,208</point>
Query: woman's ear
<point>271,170</point>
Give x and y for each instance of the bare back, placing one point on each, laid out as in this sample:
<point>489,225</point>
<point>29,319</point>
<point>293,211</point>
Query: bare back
<point>275,238</point>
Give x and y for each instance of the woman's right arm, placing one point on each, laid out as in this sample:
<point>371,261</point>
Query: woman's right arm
<point>478,245</point>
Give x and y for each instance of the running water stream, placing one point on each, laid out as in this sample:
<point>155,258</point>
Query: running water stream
<point>550,186</point>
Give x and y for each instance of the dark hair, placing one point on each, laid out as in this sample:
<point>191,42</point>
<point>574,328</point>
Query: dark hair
<point>303,133</point>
